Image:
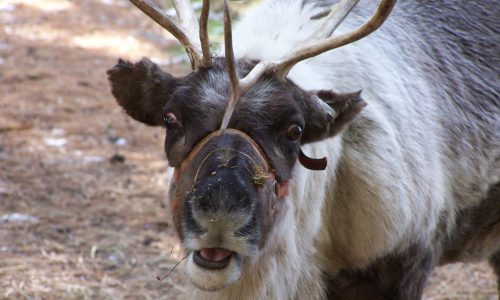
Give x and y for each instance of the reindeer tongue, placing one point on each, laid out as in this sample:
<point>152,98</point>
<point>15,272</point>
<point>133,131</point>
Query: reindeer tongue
<point>312,163</point>
<point>215,254</point>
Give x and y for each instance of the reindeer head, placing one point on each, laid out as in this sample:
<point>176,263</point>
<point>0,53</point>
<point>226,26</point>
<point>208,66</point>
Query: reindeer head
<point>233,143</point>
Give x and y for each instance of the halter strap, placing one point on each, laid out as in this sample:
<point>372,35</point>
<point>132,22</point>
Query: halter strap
<point>218,133</point>
<point>281,188</point>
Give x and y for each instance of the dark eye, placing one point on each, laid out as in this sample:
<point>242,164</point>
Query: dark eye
<point>294,132</point>
<point>170,121</point>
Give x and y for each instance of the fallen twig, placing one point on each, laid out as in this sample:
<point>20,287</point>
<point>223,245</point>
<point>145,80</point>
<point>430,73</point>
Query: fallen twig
<point>161,278</point>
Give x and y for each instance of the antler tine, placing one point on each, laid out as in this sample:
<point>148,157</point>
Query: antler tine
<point>333,19</point>
<point>204,39</point>
<point>383,11</point>
<point>187,16</point>
<point>263,67</point>
<point>231,68</point>
<point>187,34</point>
<point>283,66</point>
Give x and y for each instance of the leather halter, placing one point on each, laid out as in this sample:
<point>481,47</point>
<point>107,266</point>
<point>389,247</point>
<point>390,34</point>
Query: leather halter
<point>281,188</point>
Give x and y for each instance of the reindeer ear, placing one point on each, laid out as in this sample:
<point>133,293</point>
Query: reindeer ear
<point>142,89</point>
<point>328,113</point>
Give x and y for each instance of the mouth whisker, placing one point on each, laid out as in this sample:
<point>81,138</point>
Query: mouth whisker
<point>169,272</point>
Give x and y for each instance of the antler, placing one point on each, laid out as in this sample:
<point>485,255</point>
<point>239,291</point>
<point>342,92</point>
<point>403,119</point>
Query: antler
<point>283,66</point>
<point>332,19</point>
<point>231,68</point>
<point>187,32</point>
<point>204,39</point>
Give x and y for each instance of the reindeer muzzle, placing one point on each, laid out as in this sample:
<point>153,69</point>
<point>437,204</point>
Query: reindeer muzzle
<point>263,175</point>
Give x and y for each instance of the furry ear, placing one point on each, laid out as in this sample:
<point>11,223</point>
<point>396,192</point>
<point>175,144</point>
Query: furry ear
<point>328,113</point>
<point>142,89</point>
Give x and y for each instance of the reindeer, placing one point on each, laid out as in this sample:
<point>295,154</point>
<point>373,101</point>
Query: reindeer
<point>410,174</point>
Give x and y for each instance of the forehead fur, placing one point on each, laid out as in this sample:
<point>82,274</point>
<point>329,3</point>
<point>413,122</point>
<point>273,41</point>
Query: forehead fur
<point>211,87</point>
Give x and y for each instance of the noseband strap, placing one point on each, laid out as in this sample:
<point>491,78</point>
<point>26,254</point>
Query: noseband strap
<point>218,133</point>
<point>281,188</point>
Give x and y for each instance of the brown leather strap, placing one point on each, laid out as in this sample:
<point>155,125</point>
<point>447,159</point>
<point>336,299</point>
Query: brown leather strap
<point>316,164</point>
<point>217,133</point>
<point>282,189</point>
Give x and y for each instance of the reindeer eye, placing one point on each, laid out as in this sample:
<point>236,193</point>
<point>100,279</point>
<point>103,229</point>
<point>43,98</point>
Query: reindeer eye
<point>294,132</point>
<point>170,121</point>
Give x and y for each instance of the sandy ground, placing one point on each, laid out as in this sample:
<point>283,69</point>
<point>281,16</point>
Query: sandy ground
<point>81,184</point>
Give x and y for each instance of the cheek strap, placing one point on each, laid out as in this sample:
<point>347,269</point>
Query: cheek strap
<point>316,164</point>
<point>282,189</point>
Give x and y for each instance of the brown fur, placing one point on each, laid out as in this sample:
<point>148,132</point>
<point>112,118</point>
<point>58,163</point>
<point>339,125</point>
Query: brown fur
<point>495,263</point>
<point>400,276</point>
<point>477,232</point>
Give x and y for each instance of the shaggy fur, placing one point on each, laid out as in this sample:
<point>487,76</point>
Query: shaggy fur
<point>411,178</point>
<point>427,145</point>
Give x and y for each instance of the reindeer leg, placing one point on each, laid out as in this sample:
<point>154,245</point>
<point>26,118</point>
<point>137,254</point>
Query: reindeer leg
<point>495,264</point>
<point>495,258</point>
<point>397,277</point>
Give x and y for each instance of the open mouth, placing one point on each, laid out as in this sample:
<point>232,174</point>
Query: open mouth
<point>213,258</point>
<point>212,269</point>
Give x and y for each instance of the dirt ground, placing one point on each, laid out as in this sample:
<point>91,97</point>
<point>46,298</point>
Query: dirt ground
<point>81,184</point>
